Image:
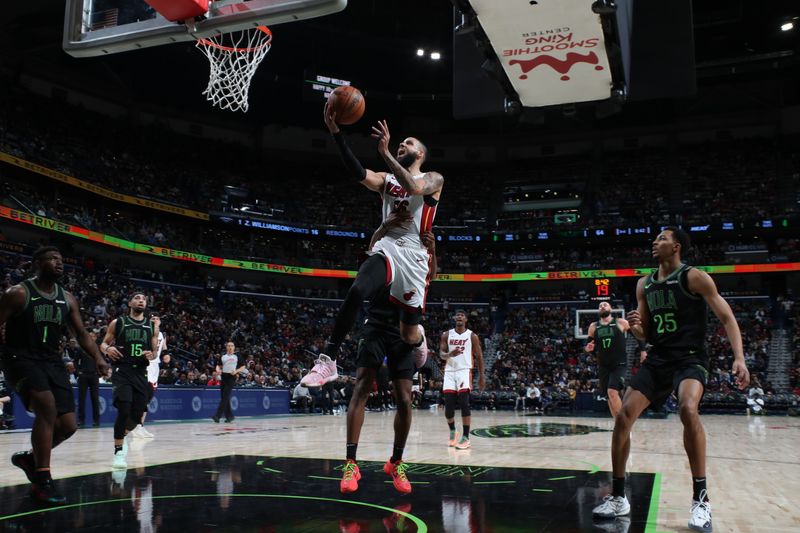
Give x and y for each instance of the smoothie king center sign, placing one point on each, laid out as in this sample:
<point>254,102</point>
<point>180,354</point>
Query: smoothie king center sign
<point>553,52</point>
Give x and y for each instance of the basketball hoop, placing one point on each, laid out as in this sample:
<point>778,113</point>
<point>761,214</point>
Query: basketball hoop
<point>234,58</point>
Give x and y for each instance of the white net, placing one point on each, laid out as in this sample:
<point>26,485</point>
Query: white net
<point>234,58</point>
<point>585,317</point>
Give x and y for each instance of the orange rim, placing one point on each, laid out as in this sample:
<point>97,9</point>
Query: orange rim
<point>206,42</point>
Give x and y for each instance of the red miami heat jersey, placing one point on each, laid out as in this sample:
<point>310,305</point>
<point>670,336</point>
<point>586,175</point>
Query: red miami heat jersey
<point>422,209</point>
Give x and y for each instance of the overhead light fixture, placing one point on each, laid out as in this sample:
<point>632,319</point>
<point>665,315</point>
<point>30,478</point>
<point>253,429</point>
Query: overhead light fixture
<point>787,26</point>
<point>420,52</point>
<point>436,56</point>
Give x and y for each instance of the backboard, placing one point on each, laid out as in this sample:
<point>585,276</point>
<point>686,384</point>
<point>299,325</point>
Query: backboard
<point>99,27</point>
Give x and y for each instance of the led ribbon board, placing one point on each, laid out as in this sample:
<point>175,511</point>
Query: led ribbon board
<point>161,251</point>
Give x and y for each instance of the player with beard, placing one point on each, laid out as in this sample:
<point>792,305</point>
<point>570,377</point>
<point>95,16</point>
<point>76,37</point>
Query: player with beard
<point>35,313</point>
<point>132,340</point>
<point>398,260</point>
<point>380,339</point>
<point>607,338</point>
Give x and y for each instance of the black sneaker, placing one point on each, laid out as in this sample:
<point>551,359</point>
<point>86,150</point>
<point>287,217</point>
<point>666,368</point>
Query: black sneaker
<point>24,461</point>
<point>215,418</point>
<point>46,493</point>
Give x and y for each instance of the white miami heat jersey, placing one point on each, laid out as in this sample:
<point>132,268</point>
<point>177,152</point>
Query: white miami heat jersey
<point>153,368</point>
<point>395,197</point>
<point>454,340</point>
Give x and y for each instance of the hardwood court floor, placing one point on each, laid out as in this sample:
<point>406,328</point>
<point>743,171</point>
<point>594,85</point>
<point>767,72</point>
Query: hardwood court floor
<point>753,463</point>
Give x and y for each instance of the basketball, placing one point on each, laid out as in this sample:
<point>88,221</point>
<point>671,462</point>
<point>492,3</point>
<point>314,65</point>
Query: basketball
<point>348,104</point>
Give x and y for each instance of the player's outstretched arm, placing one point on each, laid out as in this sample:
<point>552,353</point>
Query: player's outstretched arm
<point>84,340</point>
<point>430,183</point>
<point>701,283</point>
<point>639,320</point>
<point>369,179</point>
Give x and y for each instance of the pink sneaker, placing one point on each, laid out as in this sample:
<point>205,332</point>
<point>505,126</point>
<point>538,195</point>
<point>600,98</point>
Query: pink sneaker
<point>324,371</point>
<point>421,351</point>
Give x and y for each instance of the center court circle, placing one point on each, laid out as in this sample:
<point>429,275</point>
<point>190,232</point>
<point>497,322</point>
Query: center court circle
<point>421,526</point>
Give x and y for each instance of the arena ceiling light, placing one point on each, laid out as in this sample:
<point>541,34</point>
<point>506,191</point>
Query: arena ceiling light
<point>420,52</point>
<point>436,56</point>
<point>786,26</point>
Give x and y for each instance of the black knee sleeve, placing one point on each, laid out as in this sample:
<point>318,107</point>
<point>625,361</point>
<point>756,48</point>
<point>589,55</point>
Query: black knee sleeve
<point>135,417</point>
<point>121,423</point>
<point>463,402</point>
<point>449,405</point>
<point>370,279</point>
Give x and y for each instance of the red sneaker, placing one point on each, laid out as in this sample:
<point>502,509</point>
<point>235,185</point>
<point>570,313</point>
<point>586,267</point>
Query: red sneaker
<point>398,472</point>
<point>350,477</point>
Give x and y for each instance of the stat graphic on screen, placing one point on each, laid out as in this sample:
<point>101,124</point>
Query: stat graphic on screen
<point>319,86</point>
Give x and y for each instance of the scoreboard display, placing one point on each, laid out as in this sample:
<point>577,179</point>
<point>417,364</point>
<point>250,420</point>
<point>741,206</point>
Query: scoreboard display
<point>601,289</point>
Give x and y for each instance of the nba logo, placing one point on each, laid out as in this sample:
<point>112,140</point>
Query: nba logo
<point>265,403</point>
<point>234,403</point>
<point>197,404</point>
<point>152,407</point>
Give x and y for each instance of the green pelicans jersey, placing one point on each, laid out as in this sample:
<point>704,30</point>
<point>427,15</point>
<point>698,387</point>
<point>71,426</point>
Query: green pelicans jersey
<point>37,330</point>
<point>677,318</point>
<point>609,343</point>
<point>133,337</point>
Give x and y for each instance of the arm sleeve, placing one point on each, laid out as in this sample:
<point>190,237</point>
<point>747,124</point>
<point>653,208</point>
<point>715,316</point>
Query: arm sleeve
<point>350,161</point>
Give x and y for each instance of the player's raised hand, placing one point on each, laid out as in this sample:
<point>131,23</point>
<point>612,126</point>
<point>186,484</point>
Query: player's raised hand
<point>633,318</point>
<point>329,116</point>
<point>739,370</point>
<point>381,132</point>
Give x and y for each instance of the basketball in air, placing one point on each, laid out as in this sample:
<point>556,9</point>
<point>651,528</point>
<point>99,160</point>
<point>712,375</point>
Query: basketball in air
<point>348,104</point>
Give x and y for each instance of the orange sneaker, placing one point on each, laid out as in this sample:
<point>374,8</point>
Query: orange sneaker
<point>453,439</point>
<point>398,472</point>
<point>350,477</point>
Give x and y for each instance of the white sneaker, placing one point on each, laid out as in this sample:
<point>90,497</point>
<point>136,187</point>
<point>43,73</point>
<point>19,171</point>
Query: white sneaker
<point>324,371</point>
<point>612,507</point>
<point>421,352</point>
<point>135,432</point>
<point>143,433</point>
<point>120,461</point>
<point>700,519</point>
